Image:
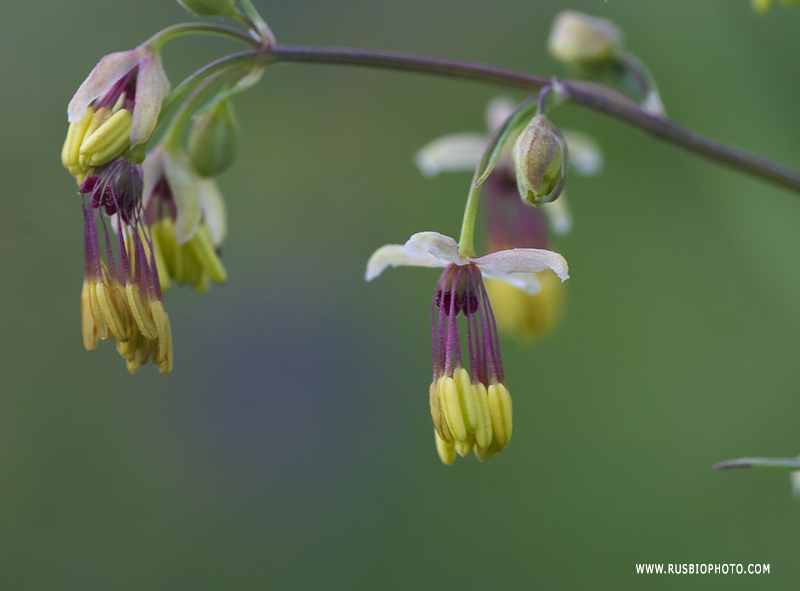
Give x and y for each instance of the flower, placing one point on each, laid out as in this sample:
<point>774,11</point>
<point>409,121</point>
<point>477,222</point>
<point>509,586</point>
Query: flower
<point>186,215</point>
<point>471,410</point>
<point>122,298</point>
<point>115,108</point>
<point>510,223</point>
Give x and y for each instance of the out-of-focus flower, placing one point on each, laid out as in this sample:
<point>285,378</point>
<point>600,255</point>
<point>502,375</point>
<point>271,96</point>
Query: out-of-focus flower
<point>186,216</point>
<point>765,5</point>
<point>115,108</point>
<point>583,41</point>
<point>510,223</point>
<point>121,298</point>
<point>471,410</point>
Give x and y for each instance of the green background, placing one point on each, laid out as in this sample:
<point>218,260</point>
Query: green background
<point>291,448</point>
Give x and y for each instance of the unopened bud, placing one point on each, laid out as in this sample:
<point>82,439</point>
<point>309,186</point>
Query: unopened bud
<point>213,139</point>
<point>540,161</point>
<point>209,7</point>
<point>583,41</point>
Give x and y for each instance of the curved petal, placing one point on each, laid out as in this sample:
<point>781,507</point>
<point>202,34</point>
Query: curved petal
<point>152,87</point>
<point>213,206</point>
<point>451,153</point>
<point>443,248</point>
<point>395,255</point>
<point>585,157</point>
<point>558,214</point>
<point>183,183</point>
<point>152,169</point>
<point>108,70</point>
<point>519,266</point>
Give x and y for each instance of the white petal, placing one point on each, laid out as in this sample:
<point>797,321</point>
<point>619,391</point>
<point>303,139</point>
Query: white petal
<point>152,169</point>
<point>427,244</point>
<point>213,206</point>
<point>520,265</point>
<point>498,110</point>
<point>152,87</point>
<point>107,71</point>
<point>451,153</point>
<point>183,182</point>
<point>395,255</point>
<point>585,156</point>
<point>558,214</point>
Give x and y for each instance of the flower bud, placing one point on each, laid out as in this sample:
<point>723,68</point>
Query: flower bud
<point>583,41</point>
<point>540,161</point>
<point>213,139</point>
<point>209,7</point>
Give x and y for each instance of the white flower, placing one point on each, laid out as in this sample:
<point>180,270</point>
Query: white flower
<point>517,266</point>
<point>196,198</point>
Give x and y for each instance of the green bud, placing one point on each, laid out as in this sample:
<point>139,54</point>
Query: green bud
<point>214,139</point>
<point>540,161</point>
<point>584,42</point>
<point>209,7</point>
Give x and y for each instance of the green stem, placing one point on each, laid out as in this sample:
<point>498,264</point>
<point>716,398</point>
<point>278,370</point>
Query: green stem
<point>158,40</point>
<point>172,135</point>
<point>184,88</point>
<point>659,127</point>
<point>466,239</point>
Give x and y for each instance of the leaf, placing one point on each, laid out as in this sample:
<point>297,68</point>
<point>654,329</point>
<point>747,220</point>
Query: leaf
<point>500,136</point>
<point>763,463</point>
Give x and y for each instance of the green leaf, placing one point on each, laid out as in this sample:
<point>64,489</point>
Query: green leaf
<point>500,136</point>
<point>763,463</point>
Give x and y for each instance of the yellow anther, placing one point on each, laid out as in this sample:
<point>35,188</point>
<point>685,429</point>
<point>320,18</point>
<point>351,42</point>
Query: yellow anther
<point>109,311</point>
<point>72,145</point>
<point>160,320</point>
<point>466,398</point>
<point>483,432</point>
<point>445,449</point>
<point>448,390</point>
<point>99,117</point>
<point>87,317</point>
<point>436,408</point>
<point>203,247</point>
<point>484,454</point>
<point>500,409</point>
<point>161,264</point>
<point>165,366</point>
<point>170,250</point>
<point>108,141</point>
<point>464,447</point>
<point>140,311</point>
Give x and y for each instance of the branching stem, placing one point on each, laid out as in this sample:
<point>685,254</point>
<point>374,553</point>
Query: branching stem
<point>573,92</point>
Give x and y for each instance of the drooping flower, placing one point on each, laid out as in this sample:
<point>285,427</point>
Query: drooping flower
<point>121,296</point>
<point>186,216</point>
<point>115,108</point>
<point>511,224</point>
<point>471,409</point>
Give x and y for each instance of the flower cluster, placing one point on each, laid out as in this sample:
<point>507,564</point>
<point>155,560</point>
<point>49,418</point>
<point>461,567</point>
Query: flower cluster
<point>471,410</point>
<point>145,225</point>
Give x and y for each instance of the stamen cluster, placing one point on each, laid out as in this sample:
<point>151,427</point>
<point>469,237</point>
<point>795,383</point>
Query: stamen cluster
<point>471,410</point>
<point>121,295</point>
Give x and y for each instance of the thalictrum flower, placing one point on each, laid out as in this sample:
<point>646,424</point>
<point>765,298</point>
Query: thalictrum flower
<point>115,108</point>
<point>186,214</point>
<point>121,295</point>
<point>471,410</point>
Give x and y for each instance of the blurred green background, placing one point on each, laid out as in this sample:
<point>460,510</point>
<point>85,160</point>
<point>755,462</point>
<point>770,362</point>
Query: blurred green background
<point>291,448</point>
